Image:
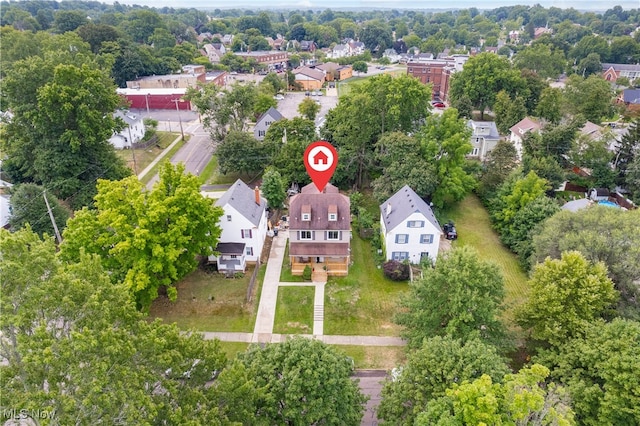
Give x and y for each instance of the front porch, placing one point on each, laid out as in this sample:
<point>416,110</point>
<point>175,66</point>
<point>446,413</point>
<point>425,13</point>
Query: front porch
<point>320,267</point>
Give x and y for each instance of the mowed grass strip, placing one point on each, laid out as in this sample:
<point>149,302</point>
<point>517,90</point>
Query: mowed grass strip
<point>145,156</point>
<point>294,310</point>
<point>285,273</point>
<point>207,301</point>
<point>364,302</point>
<point>374,357</point>
<point>474,229</point>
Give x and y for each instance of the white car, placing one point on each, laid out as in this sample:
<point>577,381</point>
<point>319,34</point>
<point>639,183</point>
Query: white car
<point>278,97</point>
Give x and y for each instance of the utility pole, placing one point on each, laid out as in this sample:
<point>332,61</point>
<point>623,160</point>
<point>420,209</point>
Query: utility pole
<point>179,117</point>
<point>133,151</point>
<point>53,220</point>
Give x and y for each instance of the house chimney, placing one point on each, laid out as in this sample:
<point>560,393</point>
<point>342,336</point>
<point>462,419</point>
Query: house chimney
<point>388,209</point>
<point>257,192</point>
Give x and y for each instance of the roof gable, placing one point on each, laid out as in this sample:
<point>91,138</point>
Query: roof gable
<point>403,204</point>
<point>243,199</point>
<point>527,124</point>
<point>319,204</point>
<point>271,113</point>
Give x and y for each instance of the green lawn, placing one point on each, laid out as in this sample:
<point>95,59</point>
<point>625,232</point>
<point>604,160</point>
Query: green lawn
<point>285,273</point>
<point>374,357</point>
<point>345,86</point>
<point>294,311</point>
<point>210,302</point>
<point>474,229</point>
<point>144,157</point>
<point>364,302</point>
<point>146,178</point>
<point>232,349</point>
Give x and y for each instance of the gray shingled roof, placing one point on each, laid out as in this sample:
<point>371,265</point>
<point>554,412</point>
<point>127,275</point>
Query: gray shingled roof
<point>273,113</point>
<point>319,204</point>
<point>230,248</point>
<point>631,96</point>
<point>403,204</point>
<point>243,199</point>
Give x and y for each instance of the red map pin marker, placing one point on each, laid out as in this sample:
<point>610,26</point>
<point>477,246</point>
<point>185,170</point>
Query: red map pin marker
<point>320,159</point>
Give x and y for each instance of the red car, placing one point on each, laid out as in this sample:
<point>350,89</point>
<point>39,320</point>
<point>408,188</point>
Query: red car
<point>438,105</point>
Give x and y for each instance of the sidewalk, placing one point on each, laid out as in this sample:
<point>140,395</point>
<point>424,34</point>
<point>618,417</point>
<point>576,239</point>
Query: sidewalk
<point>158,158</point>
<point>331,340</point>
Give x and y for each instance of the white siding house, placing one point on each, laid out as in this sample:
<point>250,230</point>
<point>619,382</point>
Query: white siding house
<point>410,231</point>
<point>244,222</point>
<point>484,138</point>
<point>133,132</point>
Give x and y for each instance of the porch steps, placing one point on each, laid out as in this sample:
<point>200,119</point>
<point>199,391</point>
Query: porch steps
<point>318,312</point>
<point>319,275</point>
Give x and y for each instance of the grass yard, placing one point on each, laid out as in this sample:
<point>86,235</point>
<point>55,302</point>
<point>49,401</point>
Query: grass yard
<point>474,229</point>
<point>294,311</point>
<point>154,170</point>
<point>285,273</point>
<point>345,86</point>
<point>374,357</point>
<point>364,302</point>
<point>232,349</point>
<point>144,157</point>
<point>210,302</point>
<point>211,175</point>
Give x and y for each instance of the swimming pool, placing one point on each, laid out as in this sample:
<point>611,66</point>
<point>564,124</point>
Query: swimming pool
<point>608,204</point>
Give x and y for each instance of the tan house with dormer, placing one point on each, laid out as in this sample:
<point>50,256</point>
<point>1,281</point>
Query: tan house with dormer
<point>320,231</point>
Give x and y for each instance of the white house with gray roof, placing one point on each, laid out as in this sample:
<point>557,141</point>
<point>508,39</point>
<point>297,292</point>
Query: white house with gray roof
<point>484,138</point>
<point>244,227</point>
<point>410,230</point>
<point>133,132</point>
<point>265,121</point>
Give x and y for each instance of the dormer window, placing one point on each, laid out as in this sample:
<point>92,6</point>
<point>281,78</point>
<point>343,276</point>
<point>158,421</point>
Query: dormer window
<point>333,213</point>
<point>306,213</point>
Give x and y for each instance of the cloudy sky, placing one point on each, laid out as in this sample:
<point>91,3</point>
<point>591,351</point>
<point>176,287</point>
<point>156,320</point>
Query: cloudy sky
<point>597,5</point>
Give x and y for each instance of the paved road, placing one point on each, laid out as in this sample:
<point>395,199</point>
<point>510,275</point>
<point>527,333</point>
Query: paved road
<point>195,154</point>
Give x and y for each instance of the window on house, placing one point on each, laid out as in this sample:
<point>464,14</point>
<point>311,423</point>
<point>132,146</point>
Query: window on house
<point>402,238</point>
<point>426,238</point>
<point>306,217</point>
<point>228,218</point>
<point>333,235</point>
<point>246,233</point>
<point>400,255</point>
<point>424,255</point>
<point>333,217</point>
<point>249,251</point>
<point>475,152</point>
<point>305,235</point>
<point>234,256</point>
<point>415,224</point>
<point>261,133</point>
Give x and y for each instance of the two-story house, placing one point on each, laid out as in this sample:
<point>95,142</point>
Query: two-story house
<point>520,129</point>
<point>484,138</point>
<point>320,230</point>
<point>410,230</point>
<point>133,132</point>
<point>244,228</point>
<point>265,121</point>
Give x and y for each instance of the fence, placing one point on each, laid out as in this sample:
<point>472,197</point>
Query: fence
<point>252,282</point>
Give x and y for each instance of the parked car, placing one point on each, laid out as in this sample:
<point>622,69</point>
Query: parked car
<point>450,232</point>
<point>278,97</point>
<point>438,105</point>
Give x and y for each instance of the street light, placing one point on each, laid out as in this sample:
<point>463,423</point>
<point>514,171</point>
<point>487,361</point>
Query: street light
<point>179,116</point>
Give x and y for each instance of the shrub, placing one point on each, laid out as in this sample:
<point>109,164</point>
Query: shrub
<point>306,274</point>
<point>397,271</point>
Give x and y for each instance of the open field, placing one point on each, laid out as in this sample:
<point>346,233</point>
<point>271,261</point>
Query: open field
<point>144,157</point>
<point>294,311</point>
<point>210,302</point>
<point>474,229</point>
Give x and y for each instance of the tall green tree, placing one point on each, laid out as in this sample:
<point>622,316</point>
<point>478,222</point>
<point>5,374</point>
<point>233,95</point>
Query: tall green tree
<point>446,143</point>
<point>508,111</point>
<point>591,97</point>
<point>75,346</point>
<point>63,118</point>
<point>514,195</point>
<point>601,234</point>
<point>523,398</point>
<point>274,188</point>
<point>626,151</point>
<point>543,59</point>
<point>403,162</point>
<point>241,153</point>
<point>567,294</point>
<point>308,109</point>
<point>483,76</point>
<point>601,372</point>
<point>146,239</point>
<point>29,207</point>
<point>498,165</point>
<point>550,105</point>
<point>429,371</point>
<point>461,297</point>
<point>308,382</point>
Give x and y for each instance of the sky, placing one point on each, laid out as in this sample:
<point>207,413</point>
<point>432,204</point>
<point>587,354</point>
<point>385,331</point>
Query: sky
<point>593,5</point>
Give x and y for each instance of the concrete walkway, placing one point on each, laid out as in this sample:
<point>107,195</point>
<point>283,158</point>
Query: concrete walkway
<point>265,318</point>
<point>158,158</point>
